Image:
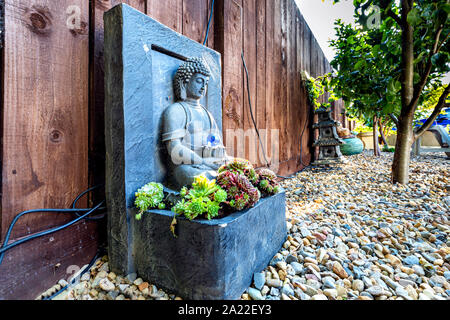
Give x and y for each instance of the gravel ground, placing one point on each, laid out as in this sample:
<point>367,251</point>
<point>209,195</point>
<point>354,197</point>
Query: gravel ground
<point>352,235</point>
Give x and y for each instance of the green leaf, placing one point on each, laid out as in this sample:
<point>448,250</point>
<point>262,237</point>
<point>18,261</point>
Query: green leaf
<point>446,7</point>
<point>394,86</point>
<point>416,78</point>
<point>414,17</point>
<point>359,64</point>
<point>388,108</point>
<point>420,57</point>
<point>375,50</point>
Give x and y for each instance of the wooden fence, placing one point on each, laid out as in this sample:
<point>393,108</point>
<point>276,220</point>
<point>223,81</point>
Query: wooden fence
<point>53,107</point>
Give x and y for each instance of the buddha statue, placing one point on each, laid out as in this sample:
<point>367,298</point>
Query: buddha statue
<point>190,133</point>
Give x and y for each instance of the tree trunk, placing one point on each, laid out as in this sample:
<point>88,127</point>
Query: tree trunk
<point>405,133</point>
<point>376,146</point>
<point>402,155</point>
<point>383,137</point>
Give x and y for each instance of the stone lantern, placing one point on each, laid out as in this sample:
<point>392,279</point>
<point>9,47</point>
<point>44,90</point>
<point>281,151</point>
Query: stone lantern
<point>328,141</point>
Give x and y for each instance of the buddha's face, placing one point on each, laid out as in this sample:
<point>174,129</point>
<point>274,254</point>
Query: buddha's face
<point>196,88</point>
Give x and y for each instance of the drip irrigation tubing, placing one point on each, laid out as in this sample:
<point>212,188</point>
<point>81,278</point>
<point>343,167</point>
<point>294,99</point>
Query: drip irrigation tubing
<point>209,23</point>
<point>81,213</point>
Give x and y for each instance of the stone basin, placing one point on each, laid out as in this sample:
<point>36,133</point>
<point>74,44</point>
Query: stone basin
<point>209,260</point>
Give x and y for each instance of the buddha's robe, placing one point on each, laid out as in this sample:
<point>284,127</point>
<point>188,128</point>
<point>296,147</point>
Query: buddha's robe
<point>197,130</point>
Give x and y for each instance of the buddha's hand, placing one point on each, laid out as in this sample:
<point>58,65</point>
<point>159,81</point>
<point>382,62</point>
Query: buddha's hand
<point>213,163</point>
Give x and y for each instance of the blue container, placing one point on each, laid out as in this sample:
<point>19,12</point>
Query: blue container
<point>352,146</point>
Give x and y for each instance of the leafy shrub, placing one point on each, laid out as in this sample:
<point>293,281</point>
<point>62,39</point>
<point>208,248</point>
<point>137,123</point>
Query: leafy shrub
<point>267,182</point>
<point>386,148</point>
<point>241,192</point>
<point>149,197</point>
<point>317,87</point>
<point>204,198</point>
<point>241,167</point>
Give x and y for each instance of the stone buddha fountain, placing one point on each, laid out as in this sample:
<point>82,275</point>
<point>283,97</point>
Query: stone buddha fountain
<point>190,133</point>
<point>149,139</point>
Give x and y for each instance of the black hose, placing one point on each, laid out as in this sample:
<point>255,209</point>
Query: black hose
<point>251,111</point>
<point>256,127</point>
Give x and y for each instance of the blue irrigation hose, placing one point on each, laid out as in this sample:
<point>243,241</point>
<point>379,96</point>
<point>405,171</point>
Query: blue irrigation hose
<point>6,247</point>
<point>74,204</point>
<point>209,23</point>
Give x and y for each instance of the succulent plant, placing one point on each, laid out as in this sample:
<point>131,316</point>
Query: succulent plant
<point>220,196</point>
<point>161,206</point>
<point>241,167</point>
<point>241,192</point>
<point>149,197</point>
<point>204,198</point>
<point>267,182</point>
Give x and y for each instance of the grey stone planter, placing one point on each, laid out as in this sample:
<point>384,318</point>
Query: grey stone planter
<point>209,260</point>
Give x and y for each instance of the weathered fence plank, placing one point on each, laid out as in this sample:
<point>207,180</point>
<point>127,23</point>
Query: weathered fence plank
<point>261,83</point>
<point>278,57</point>
<point>33,267</point>
<point>229,20</point>
<point>269,85</point>
<point>293,104</point>
<point>45,114</point>
<point>249,47</point>
<point>45,141</point>
<point>168,12</point>
<point>195,19</point>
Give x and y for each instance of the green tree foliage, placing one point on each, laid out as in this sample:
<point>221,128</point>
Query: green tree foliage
<point>368,72</point>
<point>317,88</point>
<point>389,63</point>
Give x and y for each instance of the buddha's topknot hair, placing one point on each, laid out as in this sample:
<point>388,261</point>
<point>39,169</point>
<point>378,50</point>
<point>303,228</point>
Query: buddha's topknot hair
<point>186,71</point>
